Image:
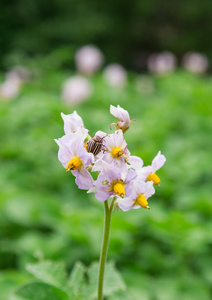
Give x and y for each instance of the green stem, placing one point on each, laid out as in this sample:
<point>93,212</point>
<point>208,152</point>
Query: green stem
<point>103,254</point>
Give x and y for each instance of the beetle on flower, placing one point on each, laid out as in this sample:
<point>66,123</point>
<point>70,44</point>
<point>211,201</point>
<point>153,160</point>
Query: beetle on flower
<point>122,180</point>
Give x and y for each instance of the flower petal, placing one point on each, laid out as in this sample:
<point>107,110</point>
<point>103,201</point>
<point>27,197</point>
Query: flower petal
<point>100,195</point>
<point>83,180</point>
<point>72,122</point>
<point>135,162</point>
<point>158,161</point>
<point>149,189</point>
<point>125,203</point>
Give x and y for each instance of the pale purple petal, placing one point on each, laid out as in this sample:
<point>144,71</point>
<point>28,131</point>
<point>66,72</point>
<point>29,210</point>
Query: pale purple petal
<point>63,154</point>
<point>97,167</point>
<point>121,114</point>
<point>86,157</point>
<point>108,157</point>
<point>72,122</point>
<point>149,189</point>
<point>136,206</point>
<point>119,140</point>
<point>125,203</point>
<point>127,153</point>
<point>83,180</point>
<point>140,187</point>
<point>71,145</point>
<point>144,172</point>
<point>111,172</point>
<point>115,112</point>
<point>135,162</point>
<point>101,134</point>
<point>108,142</point>
<point>131,174</point>
<point>158,161</point>
<point>129,189</point>
<point>119,162</point>
<point>100,195</point>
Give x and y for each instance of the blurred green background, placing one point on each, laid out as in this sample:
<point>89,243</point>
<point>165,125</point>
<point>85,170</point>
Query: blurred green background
<point>162,254</point>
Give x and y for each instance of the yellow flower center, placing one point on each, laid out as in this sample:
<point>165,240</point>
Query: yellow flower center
<point>141,200</point>
<point>74,163</point>
<point>117,152</point>
<point>119,189</point>
<point>153,177</point>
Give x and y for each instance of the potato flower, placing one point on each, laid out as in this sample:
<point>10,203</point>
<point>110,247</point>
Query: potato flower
<point>148,173</point>
<point>113,181</point>
<point>72,123</point>
<point>121,179</point>
<point>74,157</point>
<point>138,198</point>
<point>76,89</point>
<point>123,116</point>
<point>115,75</point>
<point>89,59</point>
<point>115,152</point>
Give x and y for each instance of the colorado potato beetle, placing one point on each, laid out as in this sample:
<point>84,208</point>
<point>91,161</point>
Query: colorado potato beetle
<point>94,145</point>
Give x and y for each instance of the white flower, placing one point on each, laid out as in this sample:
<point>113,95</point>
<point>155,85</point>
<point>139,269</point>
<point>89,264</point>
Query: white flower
<point>10,88</point>
<point>123,116</point>
<point>148,173</point>
<point>72,123</point>
<point>195,62</point>
<point>138,198</point>
<point>161,63</point>
<point>74,157</point>
<point>115,75</point>
<point>20,73</point>
<point>76,89</point>
<point>89,59</point>
<point>116,152</point>
<point>113,181</point>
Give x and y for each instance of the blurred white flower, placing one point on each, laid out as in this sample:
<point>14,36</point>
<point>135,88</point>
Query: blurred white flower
<point>115,75</point>
<point>19,72</point>
<point>162,63</point>
<point>89,59</point>
<point>76,89</point>
<point>195,62</point>
<point>10,88</point>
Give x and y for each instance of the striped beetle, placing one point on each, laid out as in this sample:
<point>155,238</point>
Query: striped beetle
<point>94,145</point>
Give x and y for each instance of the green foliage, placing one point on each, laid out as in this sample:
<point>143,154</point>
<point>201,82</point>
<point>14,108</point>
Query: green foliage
<point>49,272</point>
<point>81,285</point>
<point>42,291</point>
<point>43,216</point>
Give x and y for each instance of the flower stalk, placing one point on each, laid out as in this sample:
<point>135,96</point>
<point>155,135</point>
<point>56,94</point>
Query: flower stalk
<point>105,241</point>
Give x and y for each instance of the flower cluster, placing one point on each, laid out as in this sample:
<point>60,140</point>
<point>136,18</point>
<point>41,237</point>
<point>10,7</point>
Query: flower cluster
<point>120,174</point>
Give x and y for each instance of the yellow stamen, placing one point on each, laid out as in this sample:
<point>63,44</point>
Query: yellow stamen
<point>74,163</point>
<point>119,189</point>
<point>153,177</point>
<point>141,200</point>
<point>117,152</point>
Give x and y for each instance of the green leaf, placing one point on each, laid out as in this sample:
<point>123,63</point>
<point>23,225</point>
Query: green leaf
<point>49,272</point>
<point>77,279</point>
<point>9,281</point>
<point>112,280</point>
<point>120,296</point>
<point>41,291</point>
